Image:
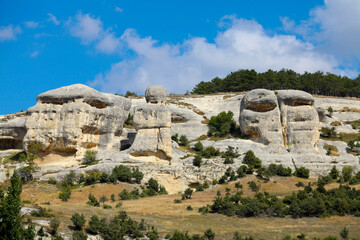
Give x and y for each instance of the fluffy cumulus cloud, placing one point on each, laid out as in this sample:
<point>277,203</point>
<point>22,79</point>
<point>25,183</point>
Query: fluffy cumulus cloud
<point>10,32</point>
<point>243,44</point>
<point>90,30</point>
<point>335,26</point>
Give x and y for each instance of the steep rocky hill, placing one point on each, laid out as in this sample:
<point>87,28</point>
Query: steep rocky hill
<point>282,127</point>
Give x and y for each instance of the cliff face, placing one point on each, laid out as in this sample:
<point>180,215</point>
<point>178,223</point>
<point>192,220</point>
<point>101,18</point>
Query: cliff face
<point>283,125</point>
<point>75,118</point>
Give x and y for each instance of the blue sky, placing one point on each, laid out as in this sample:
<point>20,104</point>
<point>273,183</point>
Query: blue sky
<point>115,46</point>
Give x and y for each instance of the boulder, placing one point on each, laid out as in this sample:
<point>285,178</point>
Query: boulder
<point>299,119</point>
<point>153,138</point>
<point>260,117</point>
<point>155,94</point>
<point>322,114</point>
<point>74,118</point>
<point>12,131</point>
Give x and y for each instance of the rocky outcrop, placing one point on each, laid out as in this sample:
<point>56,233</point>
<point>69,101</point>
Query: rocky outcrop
<point>153,125</point>
<point>12,131</point>
<point>286,118</point>
<point>260,117</point>
<point>299,119</point>
<point>75,118</point>
<point>322,114</point>
<point>155,94</point>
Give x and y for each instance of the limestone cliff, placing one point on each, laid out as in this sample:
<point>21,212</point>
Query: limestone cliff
<point>75,118</point>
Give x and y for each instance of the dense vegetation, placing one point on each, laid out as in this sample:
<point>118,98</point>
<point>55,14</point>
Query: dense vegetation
<point>315,83</point>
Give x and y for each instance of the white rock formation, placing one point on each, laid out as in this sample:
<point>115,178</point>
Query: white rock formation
<point>299,119</point>
<point>260,117</point>
<point>155,94</point>
<point>153,125</point>
<point>12,131</point>
<point>75,118</point>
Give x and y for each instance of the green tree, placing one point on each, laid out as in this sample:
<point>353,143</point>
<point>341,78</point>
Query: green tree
<point>54,225</point>
<point>344,234</point>
<point>94,224</point>
<point>197,161</point>
<point>103,199</point>
<point>11,226</point>
<point>347,173</point>
<point>183,141</point>
<point>334,173</point>
<point>209,234</point>
<point>251,160</point>
<point>89,157</point>
<point>78,221</point>
<point>222,124</point>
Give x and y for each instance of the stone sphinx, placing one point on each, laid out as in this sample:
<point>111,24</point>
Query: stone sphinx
<point>75,118</point>
<point>284,117</point>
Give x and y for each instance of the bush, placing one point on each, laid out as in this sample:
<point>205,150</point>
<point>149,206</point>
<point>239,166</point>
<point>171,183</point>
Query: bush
<point>177,201</point>
<point>93,201</point>
<point>175,137</point>
<point>251,160</point>
<point>328,132</point>
<point>79,235</point>
<point>78,221</point>
<point>54,225</point>
<point>65,194</point>
<point>105,206</point>
<point>347,173</point>
<point>183,141</point>
<point>197,161</point>
<point>198,146</point>
<point>302,172</point>
<point>253,186</point>
<point>187,194</point>
<point>94,225</point>
<point>89,157</point>
<point>334,173</point>
<point>222,124</point>
<point>230,153</point>
<point>189,208</point>
<point>52,181</point>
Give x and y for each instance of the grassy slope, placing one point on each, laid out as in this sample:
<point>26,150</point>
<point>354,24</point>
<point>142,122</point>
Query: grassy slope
<point>162,212</point>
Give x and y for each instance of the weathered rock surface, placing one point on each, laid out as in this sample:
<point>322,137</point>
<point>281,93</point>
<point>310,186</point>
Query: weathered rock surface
<point>75,118</point>
<point>299,119</point>
<point>153,125</point>
<point>155,94</point>
<point>260,117</point>
<point>12,131</point>
<point>322,114</point>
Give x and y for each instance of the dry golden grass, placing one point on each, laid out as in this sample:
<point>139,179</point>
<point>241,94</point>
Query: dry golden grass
<point>166,216</point>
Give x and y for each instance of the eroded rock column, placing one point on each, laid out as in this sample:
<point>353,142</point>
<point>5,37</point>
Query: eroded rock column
<point>153,124</point>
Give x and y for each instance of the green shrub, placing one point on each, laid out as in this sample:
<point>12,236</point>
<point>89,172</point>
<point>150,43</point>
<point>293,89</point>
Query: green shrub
<point>189,208</point>
<point>328,132</point>
<point>183,141</point>
<point>175,137</point>
<point>198,146</point>
<point>251,160</point>
<point>187,194</point>
<point>105,206</point>
<point>79,235</point>
<point>253,186</point>
<point>78,221</point>
<point>230,153</point>
<point>94,225</point>
<point>302,172</point>
<point>197,161</point>
<point>54,225</point>
<point>222,124</point>
<point>347,173</point>
<point>52,181</point>
<point>177,201</point>
<point>89,157</point>
<point>93,201</point>
<point>65,194</point>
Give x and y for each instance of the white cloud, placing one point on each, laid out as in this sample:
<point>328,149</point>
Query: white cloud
<point>34,54</point>
<point>53,19</point>
<point>86,27</point>
<point>90,30</point>
<point>335,26</point>
<point>108,44</point>
<point>118,9</point>
<point>244,44</point>
<point>9,32</point>
<point>31,24</point>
